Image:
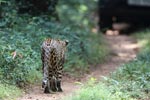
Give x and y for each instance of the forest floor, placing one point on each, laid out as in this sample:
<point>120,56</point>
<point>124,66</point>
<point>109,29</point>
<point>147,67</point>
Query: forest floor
<point>123,49</point>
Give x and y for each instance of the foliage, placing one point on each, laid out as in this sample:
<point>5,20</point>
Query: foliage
<point>100,91</point>
<point>22,35</point>
<point>78,12</point>
<point>133,78</point>
<point>143,38</point>
<point>9,92</point>
<point>17,58</point>
<point>1,1</point>
<point>37,7</point>
<point>81,14</point>
<point>130,82</point>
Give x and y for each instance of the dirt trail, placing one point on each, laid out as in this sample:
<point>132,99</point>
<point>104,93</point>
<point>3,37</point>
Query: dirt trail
<point>124,48</point>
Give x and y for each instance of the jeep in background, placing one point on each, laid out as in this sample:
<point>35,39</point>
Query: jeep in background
<point>134,12</point>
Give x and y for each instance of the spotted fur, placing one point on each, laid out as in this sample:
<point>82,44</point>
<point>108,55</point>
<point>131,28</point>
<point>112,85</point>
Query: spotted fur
<point>53,57</point>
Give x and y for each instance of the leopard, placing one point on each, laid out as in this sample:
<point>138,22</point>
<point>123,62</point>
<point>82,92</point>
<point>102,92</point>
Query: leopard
<point>53,58</point>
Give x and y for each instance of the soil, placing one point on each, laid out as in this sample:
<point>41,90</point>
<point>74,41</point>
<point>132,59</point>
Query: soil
<point>123,49</point>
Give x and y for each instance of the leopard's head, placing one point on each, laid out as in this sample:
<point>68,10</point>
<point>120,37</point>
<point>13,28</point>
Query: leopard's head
<point>64,42</point>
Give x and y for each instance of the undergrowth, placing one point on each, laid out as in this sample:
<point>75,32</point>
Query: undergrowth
<point>21,52</point>
<point>22,36</point>
<point>9,92</point>
<point>98,91</point>
<point>131,81</point>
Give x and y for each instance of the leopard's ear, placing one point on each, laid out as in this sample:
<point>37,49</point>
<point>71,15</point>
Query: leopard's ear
<point>66,41</point>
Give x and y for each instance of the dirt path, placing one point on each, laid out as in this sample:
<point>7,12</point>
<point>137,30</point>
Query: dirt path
<point>124,48</point>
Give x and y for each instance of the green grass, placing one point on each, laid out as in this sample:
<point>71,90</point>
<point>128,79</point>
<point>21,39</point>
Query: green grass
<point>133,78</point>
<point>143,38</point>
<point>9,92</point>
<point>129,82</point>
<point>22,36</point>
<point>99,91</point>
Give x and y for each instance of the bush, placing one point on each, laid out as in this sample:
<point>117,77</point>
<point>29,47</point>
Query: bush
<point>99,91</point>
<point>143,39</point>
<point>22,36</point>
<point>129,82</point>
<point>17,58</point>
<point>9,92</point>
<point>133,78</point>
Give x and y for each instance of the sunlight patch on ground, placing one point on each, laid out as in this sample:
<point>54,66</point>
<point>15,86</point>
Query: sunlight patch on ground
<point>126,55</point>
<point>143,43</point>
<point>131,46</point>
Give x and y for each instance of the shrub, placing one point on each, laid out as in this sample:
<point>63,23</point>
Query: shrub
<point>9,92</point>
<point>99,91</point>
<point>17,59</point>
<point>21,38</point>
<point>131,81</point>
